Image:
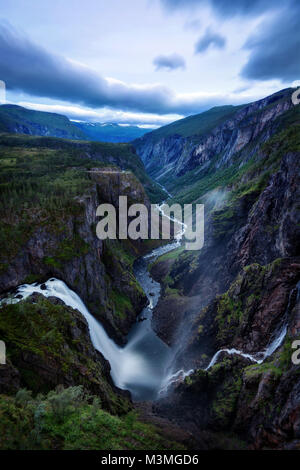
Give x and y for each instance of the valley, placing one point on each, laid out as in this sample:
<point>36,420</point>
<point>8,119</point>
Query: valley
<point>201,339</point>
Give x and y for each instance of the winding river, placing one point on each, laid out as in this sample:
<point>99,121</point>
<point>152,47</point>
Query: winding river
<point>144,365</point>
<point>140,366</point>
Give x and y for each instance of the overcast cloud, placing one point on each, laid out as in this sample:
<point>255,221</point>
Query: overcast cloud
<point>97,64</point>
<point>209,39</point>
<point>169,62</point>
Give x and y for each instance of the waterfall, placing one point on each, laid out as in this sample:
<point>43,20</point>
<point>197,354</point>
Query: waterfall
<point>257,357</point>
<point>126,364</point>
<point>56,288</point>
<point>141,365</point>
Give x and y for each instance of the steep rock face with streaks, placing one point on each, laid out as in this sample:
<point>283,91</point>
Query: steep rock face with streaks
<point>255,404</point>
<point>240,293</point>
<point>168,157</point>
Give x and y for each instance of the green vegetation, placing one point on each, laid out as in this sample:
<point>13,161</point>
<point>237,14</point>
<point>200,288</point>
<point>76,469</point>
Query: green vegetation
<point>55,338</point>
<point>171,255</point>
<point>70,419</point>
<point>41,180</point>
<point>243,297</point>
<point>27,121</point>
<point>225,402</point>
<point>194,126</point>
<point>67,250</point>
<point>243,175</point>
<point>121,303</point>
<point>277,366</point>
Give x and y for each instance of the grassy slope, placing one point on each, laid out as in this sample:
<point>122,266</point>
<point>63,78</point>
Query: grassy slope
<point>195,125</point>
<point>110,132</point>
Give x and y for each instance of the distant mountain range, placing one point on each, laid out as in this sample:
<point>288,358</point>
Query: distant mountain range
<point>110,132</point>
<point>19,120</point>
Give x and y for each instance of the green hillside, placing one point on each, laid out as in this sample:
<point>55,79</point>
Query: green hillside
<point>110,132</point>
<point>27,162</point>
<point>27,121</point>
<point>194,184</point>
<point>195,125</point>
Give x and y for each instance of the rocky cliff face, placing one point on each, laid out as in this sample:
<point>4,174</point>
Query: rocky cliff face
<point>256,406</point>
<point>239,292</point>
<point>68,248</point>
<point>258,223</point>
<point>50,345</point>
<point>171,157</point>
<point>20,120</point>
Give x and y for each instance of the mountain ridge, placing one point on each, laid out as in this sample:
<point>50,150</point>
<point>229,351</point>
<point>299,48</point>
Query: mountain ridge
<point>177,161</point>
<point>21,120</point>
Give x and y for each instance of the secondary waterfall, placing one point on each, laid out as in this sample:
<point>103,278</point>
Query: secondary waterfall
<point>141,365</point>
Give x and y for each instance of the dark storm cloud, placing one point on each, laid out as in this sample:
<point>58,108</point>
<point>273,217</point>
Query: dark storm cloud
<point>225,7</point>
<point>169,62</point>
<point>209,39</point>
<point>29,68</point>
<point>275,48</point>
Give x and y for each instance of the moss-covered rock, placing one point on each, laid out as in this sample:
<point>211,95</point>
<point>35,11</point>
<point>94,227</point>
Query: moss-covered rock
<point>70,419</point>
<point>49,344</point>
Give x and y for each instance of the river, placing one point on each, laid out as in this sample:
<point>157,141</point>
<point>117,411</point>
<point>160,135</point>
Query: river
<point>144,365</point>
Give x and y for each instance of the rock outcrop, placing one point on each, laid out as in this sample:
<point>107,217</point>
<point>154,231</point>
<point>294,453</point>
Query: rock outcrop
<point>257,404</point>
<point>240,293</point>
<point>48,344</point>
<point>68,248</point>
<point>170,157</point>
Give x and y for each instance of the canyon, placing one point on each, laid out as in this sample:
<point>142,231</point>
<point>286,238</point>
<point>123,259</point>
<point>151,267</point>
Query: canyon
<point>216,324</point>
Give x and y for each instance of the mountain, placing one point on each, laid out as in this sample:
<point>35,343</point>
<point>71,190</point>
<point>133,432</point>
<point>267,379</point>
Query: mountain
<point>194,126</point>
<point>183,158</point>
<point>21,120</point>
<point>26,121</point>
<point>105,132</point>
<point>59,184</point>
<point>50,189</point>
<point>230,312</point>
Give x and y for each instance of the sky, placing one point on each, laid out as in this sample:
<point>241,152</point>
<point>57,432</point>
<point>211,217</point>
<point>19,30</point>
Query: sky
<point>146,62</point>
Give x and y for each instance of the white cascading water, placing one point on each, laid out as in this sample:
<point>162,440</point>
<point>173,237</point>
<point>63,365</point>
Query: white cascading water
<point>258,357</point>
<point>141,365</point>
<point>127,365</point>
